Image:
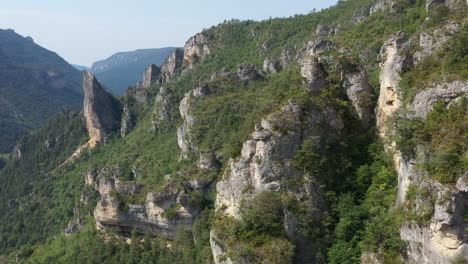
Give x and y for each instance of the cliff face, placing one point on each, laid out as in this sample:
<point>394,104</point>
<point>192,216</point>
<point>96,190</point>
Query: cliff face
<point>441,239</point>
<point>266,165</point>
<point>161,213</point>
<point>221,162</point>
<point>101,110</point>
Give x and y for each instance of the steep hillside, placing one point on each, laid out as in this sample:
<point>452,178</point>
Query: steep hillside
<point>124,69</point>
<point>332,137</point>
<point>35,84</point>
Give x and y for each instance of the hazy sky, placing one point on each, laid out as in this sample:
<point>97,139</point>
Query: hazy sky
<point>84,31</point>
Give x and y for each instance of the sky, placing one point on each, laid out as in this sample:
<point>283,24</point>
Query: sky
<point>85,31</point>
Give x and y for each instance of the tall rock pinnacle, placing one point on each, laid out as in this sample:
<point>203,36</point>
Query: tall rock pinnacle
<point>101,110</point>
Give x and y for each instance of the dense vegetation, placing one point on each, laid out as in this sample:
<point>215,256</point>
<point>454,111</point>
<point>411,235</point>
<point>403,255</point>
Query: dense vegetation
<point>356,173</point>
<point>35,84</point>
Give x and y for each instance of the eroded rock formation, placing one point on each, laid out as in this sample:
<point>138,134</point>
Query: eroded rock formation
<point>161,213</point>
<point>101,110</point>
<point>265,161</point>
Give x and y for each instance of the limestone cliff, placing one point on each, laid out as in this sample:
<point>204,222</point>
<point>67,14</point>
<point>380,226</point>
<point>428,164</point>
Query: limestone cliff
<point>160,213</point>
<point>266,164</point>
<point>196,49</point>
<point>442,239</point>
<point>101,110</point>
<point>394,60</point>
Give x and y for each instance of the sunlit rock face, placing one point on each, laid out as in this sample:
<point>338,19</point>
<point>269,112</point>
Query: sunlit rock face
<point>101,110</point>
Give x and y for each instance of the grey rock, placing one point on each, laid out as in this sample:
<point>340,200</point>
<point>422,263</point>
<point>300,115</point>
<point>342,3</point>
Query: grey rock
<point>382,4</point>
<point>202,90</point>
<point>74,226</point>
<point>208,160</point>
<point>430,4</point>
<point>127,122</point>
<point>150,76</point>
<point>447,92</point>
<point>271,66</point>
<point>184,131</point>
<point>442,240</point>
<point>248,72</point>
<point>316,47</point>
<point>223,74</point>
<point>264,163</point>
<point>196,49</point>
<point>430,41</point>
<point>395,60</point>
<point>288,55</point>
<point>359,92</point>
<point>360,15</point>
<point>150,216</point>
<point>101,110</point>
<point>370,258</point>
<point>138,93</point>
<point>462,183</point>
<point>321,30</point>
<point>172,65</point>
<point>18,150</point>
<point>314,72</point>
<point>162,109</point>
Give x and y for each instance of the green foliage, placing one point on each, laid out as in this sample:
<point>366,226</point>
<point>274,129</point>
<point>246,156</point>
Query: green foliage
<point>368,224</point>
<point>34,205</point>
<point>259,235</point>
<point>442,136</point>
<point>226,117</point>
<point>92,246</point>
<point>35,84</point>
<point>449,64</point>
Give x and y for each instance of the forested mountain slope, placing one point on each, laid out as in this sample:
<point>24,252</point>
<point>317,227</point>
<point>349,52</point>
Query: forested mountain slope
<point>332,137</point>
<point>124,69</point>
<point>35,84</point>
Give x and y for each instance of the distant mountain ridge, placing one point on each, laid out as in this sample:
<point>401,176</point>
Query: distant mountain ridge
<point>123,69</point>
<point>35,84</point>
<point>80,67</point>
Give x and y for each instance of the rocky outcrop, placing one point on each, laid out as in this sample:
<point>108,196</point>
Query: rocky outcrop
<point>161,213</point>
<point>138,93</point>
<point>74,226</point>
<point>101,110</point>
<point>264,163</point>
<point>451,4</point>
<point>18,150</point>
<point>171,67</point>
<point>448,92</point>
<point>360,15</point>
<point>196,49</point>
<point>161,112</point>
<point>150,76</point>
<point>382,4</point>
<point>321,30</point>
<point>360,93</point>
<point>394,61</point>
<point>288,55</point>
<point>442,240</point>
<point>127,122</point>
<point>311,65</point>
<point>430,41</point>
<point>248,72</point>
<point>208,160</point>
<point>183,132</point>
<point>271,66</point>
